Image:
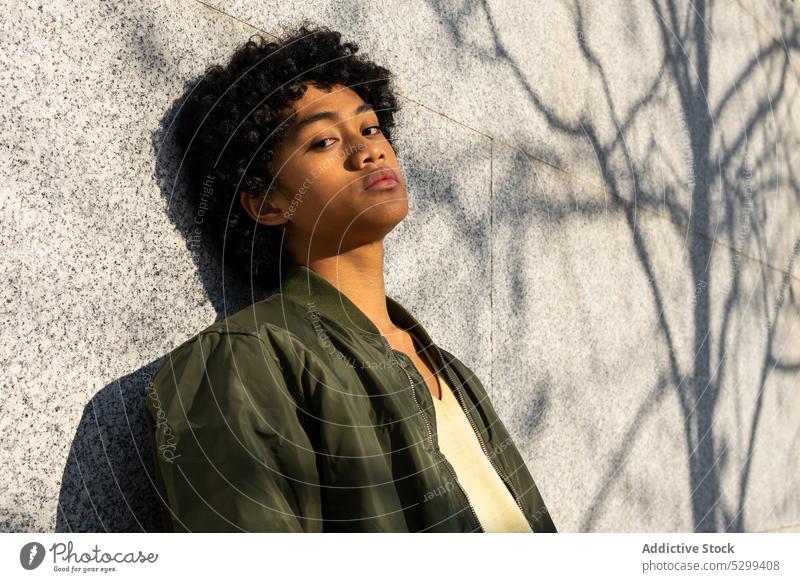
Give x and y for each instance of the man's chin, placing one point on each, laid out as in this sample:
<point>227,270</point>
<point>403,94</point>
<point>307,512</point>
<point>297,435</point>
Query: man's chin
<point>377,221</point>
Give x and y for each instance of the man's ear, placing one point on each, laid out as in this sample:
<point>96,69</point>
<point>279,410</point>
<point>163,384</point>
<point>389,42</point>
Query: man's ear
<point>262,210</point>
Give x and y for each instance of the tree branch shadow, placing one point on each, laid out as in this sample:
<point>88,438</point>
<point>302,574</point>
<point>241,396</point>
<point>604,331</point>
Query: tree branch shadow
<point>685,39</point>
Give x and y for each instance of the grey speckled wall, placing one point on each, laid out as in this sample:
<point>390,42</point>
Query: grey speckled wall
<point>605,226</point>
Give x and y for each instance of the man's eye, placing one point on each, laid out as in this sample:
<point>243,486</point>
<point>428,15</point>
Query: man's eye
<point>321,143</point>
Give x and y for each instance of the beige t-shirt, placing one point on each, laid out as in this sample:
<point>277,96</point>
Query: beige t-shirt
<point>497,511</point>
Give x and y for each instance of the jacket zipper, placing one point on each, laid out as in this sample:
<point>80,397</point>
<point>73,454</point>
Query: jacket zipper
<point>462,402</point>
<point>430,434</point>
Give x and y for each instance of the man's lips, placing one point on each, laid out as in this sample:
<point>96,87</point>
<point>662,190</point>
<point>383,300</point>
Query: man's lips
<point>381,180</point>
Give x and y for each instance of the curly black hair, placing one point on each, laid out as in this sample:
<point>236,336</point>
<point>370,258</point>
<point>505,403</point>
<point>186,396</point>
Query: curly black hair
<point>231,120</point>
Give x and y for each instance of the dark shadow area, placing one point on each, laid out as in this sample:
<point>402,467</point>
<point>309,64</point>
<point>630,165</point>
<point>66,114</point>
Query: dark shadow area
<point>108,484</point>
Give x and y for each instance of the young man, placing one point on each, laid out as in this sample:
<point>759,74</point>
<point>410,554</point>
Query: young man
<point>325,407</point>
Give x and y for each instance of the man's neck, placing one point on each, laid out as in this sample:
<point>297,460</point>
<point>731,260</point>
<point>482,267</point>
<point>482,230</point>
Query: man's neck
<point>358,273</point>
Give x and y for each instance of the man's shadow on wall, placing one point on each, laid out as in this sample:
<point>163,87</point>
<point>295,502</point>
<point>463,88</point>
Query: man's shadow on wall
<point>108,483</point>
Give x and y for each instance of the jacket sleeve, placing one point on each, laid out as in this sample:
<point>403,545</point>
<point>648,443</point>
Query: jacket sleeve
<point>231,451</point>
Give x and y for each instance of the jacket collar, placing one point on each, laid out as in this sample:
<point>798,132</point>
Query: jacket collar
<point>308,287</point>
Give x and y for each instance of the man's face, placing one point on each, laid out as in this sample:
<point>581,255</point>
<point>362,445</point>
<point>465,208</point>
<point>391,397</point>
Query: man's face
<point>324,168</point>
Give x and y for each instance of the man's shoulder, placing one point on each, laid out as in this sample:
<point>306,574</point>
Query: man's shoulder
<point>266,328</point>
<point>276,314</point>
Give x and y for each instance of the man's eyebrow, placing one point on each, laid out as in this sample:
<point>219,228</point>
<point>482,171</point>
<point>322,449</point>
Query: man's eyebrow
<point>333,116</point>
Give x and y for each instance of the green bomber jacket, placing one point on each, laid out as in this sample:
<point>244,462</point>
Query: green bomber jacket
<point>296,415</point>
